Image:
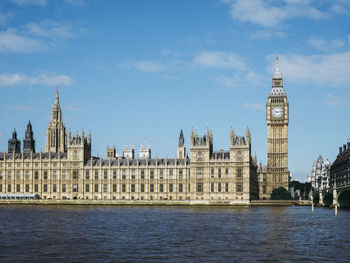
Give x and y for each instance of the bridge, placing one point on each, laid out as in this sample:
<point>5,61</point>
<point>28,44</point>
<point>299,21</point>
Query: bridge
<point>333,196</point>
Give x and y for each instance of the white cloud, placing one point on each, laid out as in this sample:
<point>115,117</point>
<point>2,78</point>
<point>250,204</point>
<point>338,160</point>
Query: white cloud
<point>325,45</point>
<point>29,2</point>
<point>34,37</point>
<point>219,59</point>
<point>254,106</point>
<point>265,13</point>
<point>144,66</point>
<point>47,79</point>
<point>321,69</point>
<point>332,101</point>
<point>12,41</point>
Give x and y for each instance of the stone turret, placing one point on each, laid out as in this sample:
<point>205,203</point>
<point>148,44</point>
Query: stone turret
<point>14,145</point>
<point>181,149</point>
<point>29,142</point>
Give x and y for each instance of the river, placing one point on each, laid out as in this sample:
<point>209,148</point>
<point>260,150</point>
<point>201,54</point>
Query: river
<point>173,234</point>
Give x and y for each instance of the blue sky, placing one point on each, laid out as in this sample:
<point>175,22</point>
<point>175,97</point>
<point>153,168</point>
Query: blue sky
<point>137,72</point>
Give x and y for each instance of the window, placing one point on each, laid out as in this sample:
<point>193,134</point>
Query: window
<point>114,174</point>
<point>170,188</point>
<point>199,156</point>
<point>96,188</point>
<point>226,187</point>
<point>171,173</point>
<point>64,175</point>
<point>226,172</point>
<point>219,187</point>
<point>18,177</point>
<point>142,174</point>
<point>114,188</point>
<point>54,176</point>
<point>36,175</point>
<point>9,176</point>
<point>75,155</point>
<point>75,188</point>
<point>54,188</point>
<point>18,188</point>
<point>161,188</point>
<point>180,188</point>
<point>219,173</point>
<point>151,188</point>
<point>142,188</point>
<point>105,188</point>
<point>0,188</point>
<point>264,188</point>
<point>75,175</point>
<point>239,173</point>
<point>152,174</point>
<point>199,187</point>
<point>96,175</point>
<point>105,175</point>
<point>45,188</point>
<point>27,175</point>
<point>133,188</point>
<point>189,187</point>
<point>87,175</point>
<point>199,173</point>
<point>8,188</point>
<point>161,174</point>
<point>180,174</point>
<point>36,188</point>
<point>212,187</point>
<point>87,188</point>
<point>123,188</point>
<point>239,155</point>
<point>123,174</point>
<point>264,177</point>
<point>239,187</point>
<point>45,175</point>
<point>64,188</point>
<point>0,176</point>
<point>212,173</point>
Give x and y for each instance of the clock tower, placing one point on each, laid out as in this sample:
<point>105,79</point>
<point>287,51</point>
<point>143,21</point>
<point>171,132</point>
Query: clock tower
<point>277,118</point>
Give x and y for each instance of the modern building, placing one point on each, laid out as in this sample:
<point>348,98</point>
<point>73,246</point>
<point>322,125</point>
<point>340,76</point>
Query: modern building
<point>67,170</point>
<point>276,173</point>
<point>320,174</point>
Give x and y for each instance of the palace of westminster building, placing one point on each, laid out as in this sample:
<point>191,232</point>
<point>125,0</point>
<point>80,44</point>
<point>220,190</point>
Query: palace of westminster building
<point>67,170</point>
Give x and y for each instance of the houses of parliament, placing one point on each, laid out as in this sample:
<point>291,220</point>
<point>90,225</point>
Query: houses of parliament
<point>67,169</point>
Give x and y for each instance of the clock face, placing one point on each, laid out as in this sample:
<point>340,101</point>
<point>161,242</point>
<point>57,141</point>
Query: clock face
<point>277,112</point>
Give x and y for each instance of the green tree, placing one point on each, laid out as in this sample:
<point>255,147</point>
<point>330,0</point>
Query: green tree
<point>280,194</point>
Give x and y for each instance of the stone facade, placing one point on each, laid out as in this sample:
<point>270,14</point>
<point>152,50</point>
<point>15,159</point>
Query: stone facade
<point>67,170</point>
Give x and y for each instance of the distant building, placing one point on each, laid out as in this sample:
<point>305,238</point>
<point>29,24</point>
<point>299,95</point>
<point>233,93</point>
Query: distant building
<point>129,152</point>
<point>320,174</point>
<point>29,142</point>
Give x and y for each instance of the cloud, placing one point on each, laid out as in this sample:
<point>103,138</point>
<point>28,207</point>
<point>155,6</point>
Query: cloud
<point>47,79</point>
<point>28,2</point>
<point>320,69</point>
<point>219,59</point>
<point>325,45</point>
<point>34,37</point>
<point>267,33</point>
<point>266,14</point>
<point>16,107</point>
<point>254,106</point>
<point>144,66</point>
<point>332,101</point>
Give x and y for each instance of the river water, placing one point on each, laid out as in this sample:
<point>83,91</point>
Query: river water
<point>173,234</point>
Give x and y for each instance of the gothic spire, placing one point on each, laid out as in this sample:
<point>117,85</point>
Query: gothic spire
<point>277,74</point>
<point>57,100</point>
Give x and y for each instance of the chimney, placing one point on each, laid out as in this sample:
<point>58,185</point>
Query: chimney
<point>340,150</point>
<point>348,145</point>
<point>344,147</point>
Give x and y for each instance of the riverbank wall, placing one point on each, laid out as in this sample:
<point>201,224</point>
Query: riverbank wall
<point>154,203</point>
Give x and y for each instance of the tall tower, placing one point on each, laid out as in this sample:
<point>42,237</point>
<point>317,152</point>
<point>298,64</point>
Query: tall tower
<point>277,118</point>
<point>14,145</point>
<point>181,149</point>
<point>56,132</point>
<point>29,142</point>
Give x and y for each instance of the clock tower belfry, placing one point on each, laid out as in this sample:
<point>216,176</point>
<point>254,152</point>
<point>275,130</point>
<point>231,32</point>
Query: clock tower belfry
<point>277,119</point>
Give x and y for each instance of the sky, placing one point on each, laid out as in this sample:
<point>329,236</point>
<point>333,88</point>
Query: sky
<point>137,72</point>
